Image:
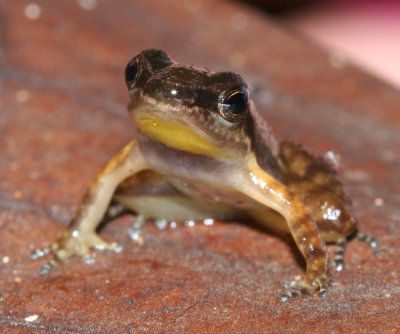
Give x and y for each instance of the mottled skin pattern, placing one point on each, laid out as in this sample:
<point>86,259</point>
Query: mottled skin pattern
<point>202,151</point>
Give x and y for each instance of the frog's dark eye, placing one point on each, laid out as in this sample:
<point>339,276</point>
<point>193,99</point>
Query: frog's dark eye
<point>232,105</point>
<point>131,72</point>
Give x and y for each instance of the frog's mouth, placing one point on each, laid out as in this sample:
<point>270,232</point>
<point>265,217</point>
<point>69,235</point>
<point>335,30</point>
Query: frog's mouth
<point>178,136</point>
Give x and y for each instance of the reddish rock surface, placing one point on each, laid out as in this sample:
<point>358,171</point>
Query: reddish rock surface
<point>63,115</point>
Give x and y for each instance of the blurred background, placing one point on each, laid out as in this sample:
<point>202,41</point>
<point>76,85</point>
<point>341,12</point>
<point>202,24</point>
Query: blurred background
<point>365,32</point>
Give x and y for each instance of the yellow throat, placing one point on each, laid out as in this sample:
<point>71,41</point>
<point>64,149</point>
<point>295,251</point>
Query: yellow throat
<point>179,137</point>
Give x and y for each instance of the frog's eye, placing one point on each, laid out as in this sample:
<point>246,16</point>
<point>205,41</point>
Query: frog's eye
<point>233,105</point>
<point>131,72</point>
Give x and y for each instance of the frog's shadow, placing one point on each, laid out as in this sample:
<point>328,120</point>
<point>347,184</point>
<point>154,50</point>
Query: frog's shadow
<point>286,238</point>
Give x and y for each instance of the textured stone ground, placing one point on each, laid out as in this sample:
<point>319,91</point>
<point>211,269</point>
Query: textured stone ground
<point>63,115</point>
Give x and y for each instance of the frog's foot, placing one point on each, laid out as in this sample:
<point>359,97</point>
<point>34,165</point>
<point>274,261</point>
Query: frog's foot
<point>369,240</point>
<point>71,243</point>
<point>338,258</point>
<point>300,288</point>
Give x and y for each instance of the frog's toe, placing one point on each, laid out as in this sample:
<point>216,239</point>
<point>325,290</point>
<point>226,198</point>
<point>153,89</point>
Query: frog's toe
<point>338,257</point>
<point>135,231</point>
<point>369,240</point>
<point>72,244</point>
<point>340,245</point>
<point>94,241</point>
<point>80,244</point>
<point>49,266</point>
<point>298,289</point>
<point>40,252</point>
<point>290,293</point>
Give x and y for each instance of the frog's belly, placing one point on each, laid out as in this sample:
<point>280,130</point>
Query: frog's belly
<point>230,198</point>
<point>179,208</point>
<point>160,197</point>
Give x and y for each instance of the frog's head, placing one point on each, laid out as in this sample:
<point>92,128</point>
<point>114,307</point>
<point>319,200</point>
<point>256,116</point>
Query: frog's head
<point>187,108</point>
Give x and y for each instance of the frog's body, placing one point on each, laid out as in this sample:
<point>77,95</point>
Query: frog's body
<point>202,151</point>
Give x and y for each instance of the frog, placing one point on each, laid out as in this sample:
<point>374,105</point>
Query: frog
<point>202,151</point>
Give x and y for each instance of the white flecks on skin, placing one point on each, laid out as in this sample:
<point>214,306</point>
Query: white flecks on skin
<point>263,185</point>
<point>379,201</point>
<point>257,181</point>
<point>32,11</point>
<point>331,214</point>
<point>5,259</point>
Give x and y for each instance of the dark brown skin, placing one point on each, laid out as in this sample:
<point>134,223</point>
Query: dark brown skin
<point>202,151</point>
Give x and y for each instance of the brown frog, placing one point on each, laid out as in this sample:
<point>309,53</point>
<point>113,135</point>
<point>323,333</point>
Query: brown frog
<point>203,151</point>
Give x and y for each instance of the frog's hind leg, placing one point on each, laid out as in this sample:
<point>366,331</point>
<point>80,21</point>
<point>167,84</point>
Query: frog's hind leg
<point>318,185</point>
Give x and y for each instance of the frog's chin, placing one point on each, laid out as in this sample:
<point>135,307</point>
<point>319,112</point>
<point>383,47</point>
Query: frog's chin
<point>178,136</point>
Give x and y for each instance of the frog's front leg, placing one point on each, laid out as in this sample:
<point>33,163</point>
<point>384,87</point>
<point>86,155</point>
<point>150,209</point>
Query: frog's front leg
<point>80,236</point>
<point>263,188</point>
